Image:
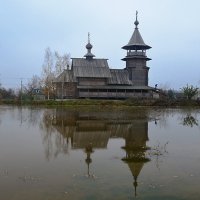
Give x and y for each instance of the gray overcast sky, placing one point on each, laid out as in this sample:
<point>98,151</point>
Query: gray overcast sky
<point>171,27</point>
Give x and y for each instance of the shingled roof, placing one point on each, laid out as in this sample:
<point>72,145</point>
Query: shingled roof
<point>65,76</point>
<point>82,62</point>
<point>97,68</point>
<point>119,77</point>
<point>136,42</point>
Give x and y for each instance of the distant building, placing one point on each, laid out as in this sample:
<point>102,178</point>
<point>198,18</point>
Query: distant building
<point>91,77</point>
<point>38,94</point>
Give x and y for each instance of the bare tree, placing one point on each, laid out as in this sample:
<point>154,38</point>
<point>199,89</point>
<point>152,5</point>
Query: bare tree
<point>53,65</point>
<point>66,60</point>
<point>35,82</point>
<point>62,62</point>
<point>47,72</point>
<point>190,91</point>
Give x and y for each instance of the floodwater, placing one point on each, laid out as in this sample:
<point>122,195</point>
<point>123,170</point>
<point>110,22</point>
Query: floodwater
<point>61,154</point>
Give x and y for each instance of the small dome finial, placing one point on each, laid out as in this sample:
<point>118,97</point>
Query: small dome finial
<point>136,21</point>
<point>88,46</point>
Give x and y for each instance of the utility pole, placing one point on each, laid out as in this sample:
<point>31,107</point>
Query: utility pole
<point>62,88</point>
<point>21,91</point>
<point>0,80</point>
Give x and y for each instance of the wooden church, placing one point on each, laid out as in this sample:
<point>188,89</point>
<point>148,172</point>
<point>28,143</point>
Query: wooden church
<point>91,77</point>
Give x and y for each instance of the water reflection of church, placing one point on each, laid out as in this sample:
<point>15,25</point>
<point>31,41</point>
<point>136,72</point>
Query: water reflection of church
<point>90,131</point>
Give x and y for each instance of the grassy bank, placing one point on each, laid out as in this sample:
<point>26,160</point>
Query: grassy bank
<point>112,103</point>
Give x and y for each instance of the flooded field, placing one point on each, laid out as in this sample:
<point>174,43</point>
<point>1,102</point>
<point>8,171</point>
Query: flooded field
<point>61,154</point>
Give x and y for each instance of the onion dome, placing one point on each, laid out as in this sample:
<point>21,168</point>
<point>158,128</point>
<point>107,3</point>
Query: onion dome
<point>88,46</point>
<point>89,55</point>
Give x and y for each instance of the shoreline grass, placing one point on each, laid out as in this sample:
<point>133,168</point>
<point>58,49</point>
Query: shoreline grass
<point>106,103</point>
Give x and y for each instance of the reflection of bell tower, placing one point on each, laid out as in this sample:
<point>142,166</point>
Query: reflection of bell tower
<point>135,147</point>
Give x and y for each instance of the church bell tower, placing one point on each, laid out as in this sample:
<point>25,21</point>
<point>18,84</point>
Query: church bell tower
<point>136,58</point>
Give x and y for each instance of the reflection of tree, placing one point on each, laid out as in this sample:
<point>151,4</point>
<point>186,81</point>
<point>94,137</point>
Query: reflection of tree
<point>160,117</point>
<point>189,120</point>
<point>31,115</point>
<point>34,116</point>
<point>158,152</point>
<point>53,141</point>
<point>189,117</point>
<point>2,111</point>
